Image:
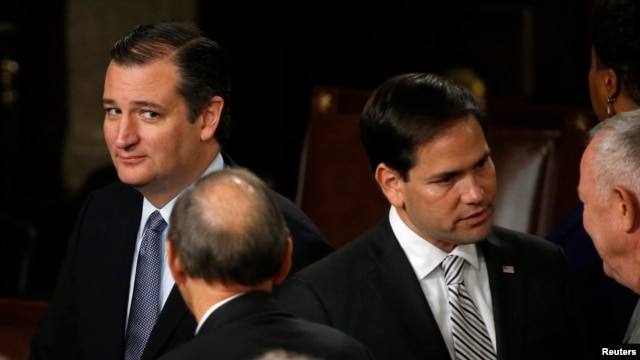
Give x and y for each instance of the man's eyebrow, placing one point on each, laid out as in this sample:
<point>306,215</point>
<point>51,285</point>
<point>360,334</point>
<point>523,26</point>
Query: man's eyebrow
<point>140,103</point>
<point>448,173</point>
<point>149,104</point>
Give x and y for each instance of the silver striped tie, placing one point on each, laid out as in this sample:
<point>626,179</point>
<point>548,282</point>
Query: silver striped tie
<point>470,336</point>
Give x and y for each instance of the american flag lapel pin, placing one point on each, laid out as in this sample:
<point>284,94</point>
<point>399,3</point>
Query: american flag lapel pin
<point>508,269</point>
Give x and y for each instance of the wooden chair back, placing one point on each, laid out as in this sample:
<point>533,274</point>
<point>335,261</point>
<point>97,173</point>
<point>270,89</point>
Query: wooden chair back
<point>18,322</point>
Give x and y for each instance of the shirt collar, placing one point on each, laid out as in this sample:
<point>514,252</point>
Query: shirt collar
<point>147,208</point>
<point>424,256</point>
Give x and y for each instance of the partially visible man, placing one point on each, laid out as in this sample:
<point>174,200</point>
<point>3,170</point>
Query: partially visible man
<point>228,246</point>
<point>610,190</point>
<point>434,279</point>
<point>166,98</point>
<point>614,87</point>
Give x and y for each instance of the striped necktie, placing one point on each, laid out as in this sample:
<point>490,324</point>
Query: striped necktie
<point>470,336</point>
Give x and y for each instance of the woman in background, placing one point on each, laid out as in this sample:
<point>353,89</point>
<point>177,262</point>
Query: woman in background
<point>614,87</point>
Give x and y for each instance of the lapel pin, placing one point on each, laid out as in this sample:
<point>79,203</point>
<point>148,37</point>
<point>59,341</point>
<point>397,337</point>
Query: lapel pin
<point>508,269</point>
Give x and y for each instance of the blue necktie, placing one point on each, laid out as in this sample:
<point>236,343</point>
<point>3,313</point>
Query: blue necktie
<point>470,336</point>
<point>145,303</point>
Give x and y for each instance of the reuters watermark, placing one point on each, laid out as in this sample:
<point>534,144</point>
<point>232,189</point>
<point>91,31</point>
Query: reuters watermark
<point>621,351</point>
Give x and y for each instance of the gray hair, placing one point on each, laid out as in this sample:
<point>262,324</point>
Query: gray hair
<point>617,156</point>
<point>279,354</point>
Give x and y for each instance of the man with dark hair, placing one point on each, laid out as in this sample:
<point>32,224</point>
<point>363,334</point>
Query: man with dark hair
<point>228,246</point>
<point>166,100</point>
<point>435,279</point>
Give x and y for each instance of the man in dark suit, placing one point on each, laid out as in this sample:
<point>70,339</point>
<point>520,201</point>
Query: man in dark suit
<point>390,288</point>
<point>166,97</point>
<point>228,245</point>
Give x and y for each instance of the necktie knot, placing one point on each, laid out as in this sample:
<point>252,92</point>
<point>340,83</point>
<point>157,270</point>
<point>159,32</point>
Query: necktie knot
<point>452,266</point>
<point>156,222</point>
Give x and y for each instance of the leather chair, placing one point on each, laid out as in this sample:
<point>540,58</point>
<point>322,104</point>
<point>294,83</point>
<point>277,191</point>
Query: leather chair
<point>336,187</point>
<point>536,149</point>
<point>542,142</point>
<point>18,322</point>
<point>17,238</point>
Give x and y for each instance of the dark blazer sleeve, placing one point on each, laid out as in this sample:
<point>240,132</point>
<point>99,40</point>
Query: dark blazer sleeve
<point>93,282</point>
<point>59,322</point>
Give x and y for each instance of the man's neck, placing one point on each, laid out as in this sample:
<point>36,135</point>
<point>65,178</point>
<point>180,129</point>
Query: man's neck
<point>202,296</point>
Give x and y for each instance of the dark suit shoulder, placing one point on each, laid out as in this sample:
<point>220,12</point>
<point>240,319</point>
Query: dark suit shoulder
<point>509,238</point>
<point>117,194</point>
<point>333,289</point>
<point>356,258</point>
<point>531,254</point>
<point>251,325</point>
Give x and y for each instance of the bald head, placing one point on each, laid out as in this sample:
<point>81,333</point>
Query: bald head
<point>229,229</point>
<point>228,201</point>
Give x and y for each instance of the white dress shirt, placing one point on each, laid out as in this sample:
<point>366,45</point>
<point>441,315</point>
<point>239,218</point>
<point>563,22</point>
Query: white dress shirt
<point>214,308</point>
<point>425,259</point>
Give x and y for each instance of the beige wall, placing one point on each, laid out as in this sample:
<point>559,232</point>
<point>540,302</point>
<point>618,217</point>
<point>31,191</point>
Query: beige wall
<point>93,26</point>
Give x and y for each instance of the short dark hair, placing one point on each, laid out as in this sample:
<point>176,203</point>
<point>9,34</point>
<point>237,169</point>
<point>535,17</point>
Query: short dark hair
<point>228,228</point>
<point>202,66</point>
<point>409,110</point>
<point>616,42</point>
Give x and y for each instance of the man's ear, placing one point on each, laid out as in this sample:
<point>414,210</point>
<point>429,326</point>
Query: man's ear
<point>174,264</point>
<point>286,264</point>
<point>211,116</point>
<point>626,208</point>
<point>390,183</point>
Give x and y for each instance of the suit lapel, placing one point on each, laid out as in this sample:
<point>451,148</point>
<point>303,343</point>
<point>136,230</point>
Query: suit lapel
<point>507,295</point>
<point>128,233</point>
<point>396,284</point>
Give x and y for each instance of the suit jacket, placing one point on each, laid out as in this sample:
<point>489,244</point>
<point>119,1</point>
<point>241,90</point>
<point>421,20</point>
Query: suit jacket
<point>251,325</point>
<point>87,315</point>
<point>606,306</point>
<point>369,290</point>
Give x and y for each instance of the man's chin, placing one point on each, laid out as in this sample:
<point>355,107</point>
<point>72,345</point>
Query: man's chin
<point>131,179</point>
<point>477,233</point>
